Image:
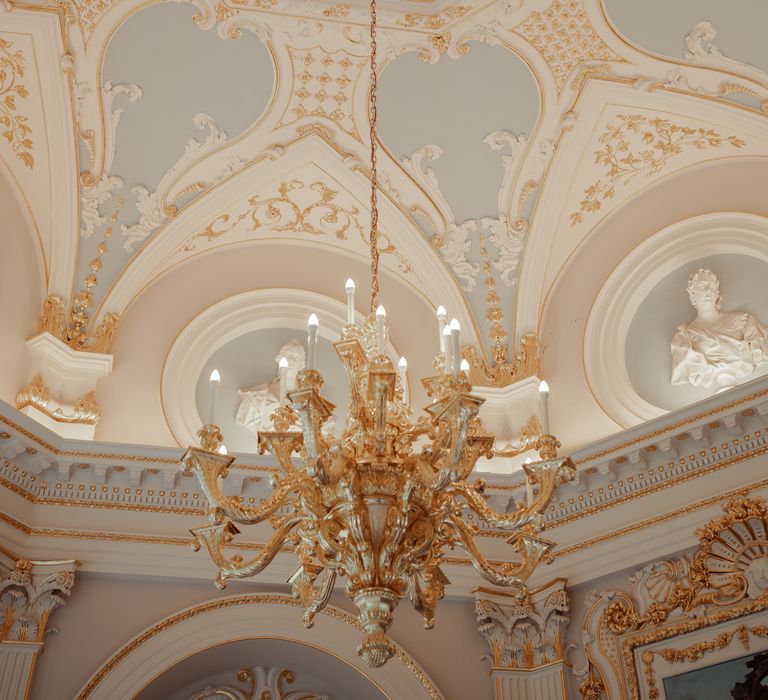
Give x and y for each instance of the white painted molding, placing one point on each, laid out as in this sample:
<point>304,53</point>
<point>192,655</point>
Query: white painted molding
<point>229,319</point>
<point>258,616</point>
<point>633,280</point>
<point>68,373</point>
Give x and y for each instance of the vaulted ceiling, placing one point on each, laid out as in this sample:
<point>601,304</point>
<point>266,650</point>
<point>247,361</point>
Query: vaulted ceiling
<point>167,157</point>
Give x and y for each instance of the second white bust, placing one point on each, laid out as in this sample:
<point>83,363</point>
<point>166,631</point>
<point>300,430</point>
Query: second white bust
<point>718,348</point>
<point>258,403</point>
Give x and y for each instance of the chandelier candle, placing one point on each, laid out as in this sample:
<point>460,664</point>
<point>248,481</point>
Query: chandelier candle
<point>455,352</point>
<point>214,380</point>
<point>312,325</point>
<point>350,287</point>
<point>442,322</point>
<point>381,318</point>
<point>544,407</point>
<point>446,348</point>
<point>402,368</point>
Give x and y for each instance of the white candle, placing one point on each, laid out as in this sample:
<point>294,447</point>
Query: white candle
<point>464,366</point>
<point>544,407</point>
<point>381,317</point>
<point>402,368</point>
<point>455,352</point>
<point>283,372</point>
<point>447,349</point>
<point>312,325</point>
<point>214,380</point>
<point>528,485</point>
<point>442,322</point>
<point>350,287</point>
<point>223,450</point>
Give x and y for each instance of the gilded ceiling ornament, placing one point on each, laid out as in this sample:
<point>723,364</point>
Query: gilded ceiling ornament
<point>292,212</point>
<point>503,372</point>
<point>565,38</point>
<point>323,85</point>
<point>340,10</point>
<point>724,578</point>
<point>529,439</point>
<point>263,684</point>
<point>414,20</point>
<point>635,145</point>
<point>14,125</point>
<point>85,411</point>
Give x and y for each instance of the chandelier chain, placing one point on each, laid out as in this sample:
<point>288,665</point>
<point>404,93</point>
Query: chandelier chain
<point>374,177</point>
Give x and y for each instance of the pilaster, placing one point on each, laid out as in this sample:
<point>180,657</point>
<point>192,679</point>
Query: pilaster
<point>526,638</point>
<point>29,593</point>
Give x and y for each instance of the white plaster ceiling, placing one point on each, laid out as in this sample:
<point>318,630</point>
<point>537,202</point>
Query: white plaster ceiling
<point>287,81</point>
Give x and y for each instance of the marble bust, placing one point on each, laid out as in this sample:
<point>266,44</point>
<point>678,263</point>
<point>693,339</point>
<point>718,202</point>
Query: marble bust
<point>718,348</point>
<point>258,403</point>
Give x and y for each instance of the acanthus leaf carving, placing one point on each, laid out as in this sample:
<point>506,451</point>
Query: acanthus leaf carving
<point>510,245</point>
<point>15,126</point>
<point>454,248</point>
<point>153,211</point>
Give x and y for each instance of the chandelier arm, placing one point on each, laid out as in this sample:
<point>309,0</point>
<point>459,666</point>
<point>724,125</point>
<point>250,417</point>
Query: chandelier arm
<point>397,526</point>
<point>506,575</point>
<point>501,521</point>
<point>315,599</point>
<point>209,475</point>
<point>232,567</point>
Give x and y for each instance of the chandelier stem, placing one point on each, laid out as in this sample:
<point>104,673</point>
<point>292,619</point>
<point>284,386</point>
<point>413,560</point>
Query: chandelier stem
<point>374,176</point>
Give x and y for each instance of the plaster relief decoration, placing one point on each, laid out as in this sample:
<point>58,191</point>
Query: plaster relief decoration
<point>263,684</point>
<point>29,593</point>
<point>718,348</point>
<point>323,86</point>
<point>85,410</point>
<point>13,123</point>
<point>153,208</point>
<point>565,38</point>
<point>674,602</point>
<point>636,144</point>
<point>259,403</point>
<point>96,189</point>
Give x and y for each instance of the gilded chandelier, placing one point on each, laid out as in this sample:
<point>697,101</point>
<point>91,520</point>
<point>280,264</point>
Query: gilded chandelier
<point>381,503</point>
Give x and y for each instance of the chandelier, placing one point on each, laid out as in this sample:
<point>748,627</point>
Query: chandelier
<point>380,504</point>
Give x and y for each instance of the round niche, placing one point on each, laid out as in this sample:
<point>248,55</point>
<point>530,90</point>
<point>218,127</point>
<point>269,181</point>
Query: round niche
<point>628,336</point>
<point>743,287</point>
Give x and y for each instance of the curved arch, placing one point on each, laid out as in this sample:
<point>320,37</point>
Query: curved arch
<point>631,282</point>
<point>430,276</point>
<point>223,322</point>
<point>247,616</point>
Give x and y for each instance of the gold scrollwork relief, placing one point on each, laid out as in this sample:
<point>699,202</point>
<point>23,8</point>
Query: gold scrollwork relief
<point>415,20</point>
<point>724,579</point>
<point>14,125</point>
<point>291,211</point>
<point>525,363</point>
<point>636,144</point>
<point>53,321</point>
<point>85,410</point>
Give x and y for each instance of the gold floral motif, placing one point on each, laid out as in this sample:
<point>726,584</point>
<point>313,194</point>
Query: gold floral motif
<point>86,410</point>
<point>529,439</point>
<point>565,38</point>
<point>323,85</point>
<point>697,651</point>
<point>440,42</point>
<point>15,127</point>
<point>525,363</point>
<point>285,213</point>
<point>414,20</point>
<point>340,10</point>
<point>223,12</point>
<point>592,687</point>
<point>639,145</point>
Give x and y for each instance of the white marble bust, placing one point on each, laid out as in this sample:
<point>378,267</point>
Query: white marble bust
<point>258,403</point>
<point>718,348</point>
